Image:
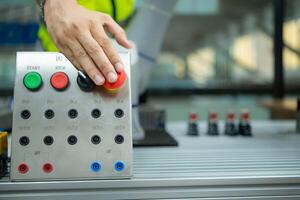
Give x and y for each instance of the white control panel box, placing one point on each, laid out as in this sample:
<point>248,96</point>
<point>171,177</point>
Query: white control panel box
<point>65,127</point>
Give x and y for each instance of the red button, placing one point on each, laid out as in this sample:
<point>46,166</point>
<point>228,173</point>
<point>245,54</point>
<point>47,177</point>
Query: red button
<point>118,84</point>
<point>59,81</point>
<point>23,168</point>
<point>47,167</point>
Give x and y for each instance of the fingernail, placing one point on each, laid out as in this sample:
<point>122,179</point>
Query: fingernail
<point>119,67</point>
<point>99,80</point>
<point>112,77</point>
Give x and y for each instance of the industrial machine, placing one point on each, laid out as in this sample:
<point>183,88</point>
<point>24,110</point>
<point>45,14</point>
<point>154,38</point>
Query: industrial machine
<point>257,160</point>
<point>64,127</point>
<point>264,166</point>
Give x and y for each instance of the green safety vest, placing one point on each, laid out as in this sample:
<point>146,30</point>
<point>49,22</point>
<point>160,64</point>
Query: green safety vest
<point>120,10</point>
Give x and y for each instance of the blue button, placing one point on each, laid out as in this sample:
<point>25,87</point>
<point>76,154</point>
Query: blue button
<point>119,166</point>
<point>95,166</point>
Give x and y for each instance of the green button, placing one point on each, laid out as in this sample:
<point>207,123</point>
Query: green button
<point>32,81</point>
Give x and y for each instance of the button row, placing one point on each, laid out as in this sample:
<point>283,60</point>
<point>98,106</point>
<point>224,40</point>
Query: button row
<point>72,113</point>
<point>48,167</point>
<point>60,81</point>
<point>33,81</point>
<point>72,140</point>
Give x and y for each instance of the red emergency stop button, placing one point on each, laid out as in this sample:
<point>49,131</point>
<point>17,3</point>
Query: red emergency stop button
<point>113,87</point>
<point>59,81</point>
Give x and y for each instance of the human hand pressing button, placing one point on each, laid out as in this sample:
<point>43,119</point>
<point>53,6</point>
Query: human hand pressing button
<point>81,35</point>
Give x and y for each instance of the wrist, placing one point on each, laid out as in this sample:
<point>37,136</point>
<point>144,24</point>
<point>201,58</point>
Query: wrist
<point>56,5</point>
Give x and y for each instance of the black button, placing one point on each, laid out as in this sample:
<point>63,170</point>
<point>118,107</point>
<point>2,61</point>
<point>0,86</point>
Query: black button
<point>73,113</point>
<point>96,113</point>
<point>84,82</point>
<point>96,139</point>
<point>119,139</point>
<point>48,140</point>
<point>24,140</point>
<point>72,139</point>
<point>119,113</point>
<point>25,114</point>
<point>49,114</point>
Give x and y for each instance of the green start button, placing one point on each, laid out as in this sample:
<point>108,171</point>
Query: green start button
<point>32,81</point>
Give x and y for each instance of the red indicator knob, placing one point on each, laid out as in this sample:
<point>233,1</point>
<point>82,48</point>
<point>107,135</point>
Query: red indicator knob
<point>23,168</point>
<point>59,81</point>
<point>230,116</point>
<point>116,85</point>
<point>193,117</point>
<point>245,116</point>
<point>213,116</point>
<point>47,167</point>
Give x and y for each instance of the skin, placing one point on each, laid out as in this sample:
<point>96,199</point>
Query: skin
<point>81,35</point>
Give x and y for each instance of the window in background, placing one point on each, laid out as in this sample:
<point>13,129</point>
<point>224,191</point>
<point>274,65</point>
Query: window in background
<point>201,65</point>
<point>253,54</point>
<point>229,48</point>
<point>204,7</point>
<point>292,44</point>
<point>169,71</point>
<point>244,52</point>
<point>291,36</point>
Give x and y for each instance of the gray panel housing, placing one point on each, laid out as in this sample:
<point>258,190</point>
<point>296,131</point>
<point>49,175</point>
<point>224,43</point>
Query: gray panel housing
<point>69,161</point>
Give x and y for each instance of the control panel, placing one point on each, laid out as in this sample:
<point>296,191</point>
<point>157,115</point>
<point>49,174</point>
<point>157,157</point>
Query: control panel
<point>65,127</point>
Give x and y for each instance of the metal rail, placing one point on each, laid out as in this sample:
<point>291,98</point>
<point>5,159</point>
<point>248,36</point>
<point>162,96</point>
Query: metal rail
<point>265,166</point>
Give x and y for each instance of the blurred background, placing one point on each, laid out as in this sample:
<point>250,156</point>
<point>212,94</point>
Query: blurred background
<point>217,55</point>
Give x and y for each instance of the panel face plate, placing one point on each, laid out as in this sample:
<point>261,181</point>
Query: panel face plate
<point>42,148</point>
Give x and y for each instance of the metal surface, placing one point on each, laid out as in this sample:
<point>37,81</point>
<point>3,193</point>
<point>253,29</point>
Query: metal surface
<point>265,166</point>
<point>69,161</point>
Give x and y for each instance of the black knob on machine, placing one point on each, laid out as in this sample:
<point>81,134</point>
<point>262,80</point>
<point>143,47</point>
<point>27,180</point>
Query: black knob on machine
<point>84,82</point>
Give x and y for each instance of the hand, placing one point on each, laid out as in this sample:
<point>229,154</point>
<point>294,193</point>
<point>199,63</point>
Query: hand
<point>80,34</point>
